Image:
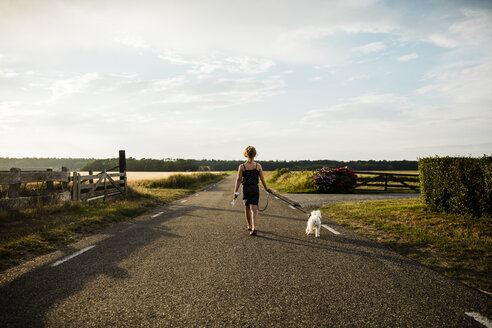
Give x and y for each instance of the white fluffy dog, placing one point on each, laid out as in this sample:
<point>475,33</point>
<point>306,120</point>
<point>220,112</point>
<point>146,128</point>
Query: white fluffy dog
<point>314,223</point>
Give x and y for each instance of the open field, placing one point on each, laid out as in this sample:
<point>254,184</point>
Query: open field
<point>455,245</point>
<point>136,176</point>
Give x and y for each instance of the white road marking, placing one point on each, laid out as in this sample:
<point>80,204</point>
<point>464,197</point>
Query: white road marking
<point>184,200</point>
<point>157,214</point>
<point>292,207</point>
<point>276,197</point>
<point>331,229</point>
<point>480,318</point>
<point>65,259</point>
<point>197,195</point>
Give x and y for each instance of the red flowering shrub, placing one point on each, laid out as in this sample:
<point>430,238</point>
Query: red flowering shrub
<point>339,180</point>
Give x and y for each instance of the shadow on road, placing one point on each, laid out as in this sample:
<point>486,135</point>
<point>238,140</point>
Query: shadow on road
<point>25,301</point>
<point>355,246</point>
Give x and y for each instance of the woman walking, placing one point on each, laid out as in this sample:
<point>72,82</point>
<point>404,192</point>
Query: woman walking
<point>248,174</point>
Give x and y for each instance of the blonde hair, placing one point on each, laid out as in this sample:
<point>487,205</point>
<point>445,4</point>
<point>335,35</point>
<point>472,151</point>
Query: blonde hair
<point>250,152</point>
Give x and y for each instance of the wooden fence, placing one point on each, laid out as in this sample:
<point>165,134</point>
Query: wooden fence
<point>388,180</point>
<point>83,187</point>
<point>47,193</point>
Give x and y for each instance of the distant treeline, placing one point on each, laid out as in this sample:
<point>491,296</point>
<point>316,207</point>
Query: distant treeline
<point>33,163</point>
<point>173,165</point>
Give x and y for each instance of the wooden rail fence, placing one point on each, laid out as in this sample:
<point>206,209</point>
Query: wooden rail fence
<point>18,198</point>
<point>81,188</point>
<point>387,180</point>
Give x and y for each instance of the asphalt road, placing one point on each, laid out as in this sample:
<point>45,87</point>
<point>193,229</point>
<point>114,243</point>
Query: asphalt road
<point>194,265</point>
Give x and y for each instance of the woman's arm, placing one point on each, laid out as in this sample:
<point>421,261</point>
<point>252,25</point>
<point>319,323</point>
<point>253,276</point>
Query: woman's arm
<point>238,180</point>
<point>262,178</point>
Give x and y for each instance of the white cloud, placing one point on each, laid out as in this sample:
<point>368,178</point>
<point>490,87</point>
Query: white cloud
<point>467,87</point>
<point>8,73</point>
<point>474,28</point>
<point>131,41</point>
<point>357,77</point>
<point>73,85</point>
<point>206,65</point>
<point>248,65</point>
<point>371,47</point>
<point>213,94</point>
<point>443,41</point>
<point>408,57</point>
<point>370,107</point>
<point>166,84</point>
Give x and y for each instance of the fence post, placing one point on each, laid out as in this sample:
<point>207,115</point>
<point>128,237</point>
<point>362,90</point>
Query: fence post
<point>122,166</point>
<point>105,185</point>
<point>75,187</point>
<point>385,182</point>
<point>91,173</point>
<point>78,187</point>
<point>49,184</point>
<point>64,184</point>
<point>15,188</point>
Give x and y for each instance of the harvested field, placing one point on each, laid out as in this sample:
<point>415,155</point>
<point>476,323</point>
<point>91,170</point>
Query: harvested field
<point>135,176</point>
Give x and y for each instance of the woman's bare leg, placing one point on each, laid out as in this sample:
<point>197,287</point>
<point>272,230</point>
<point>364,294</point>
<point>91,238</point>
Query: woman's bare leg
<point>254,212</point>
<point>247,214</point>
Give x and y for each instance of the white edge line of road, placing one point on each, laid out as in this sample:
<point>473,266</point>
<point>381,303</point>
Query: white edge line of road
<point>65,259</point>
<point>157,214</point>
<point>331,229</point>
<point>480,318</point>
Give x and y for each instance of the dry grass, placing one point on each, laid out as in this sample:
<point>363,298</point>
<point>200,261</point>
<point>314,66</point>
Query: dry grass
<point>455,245</point>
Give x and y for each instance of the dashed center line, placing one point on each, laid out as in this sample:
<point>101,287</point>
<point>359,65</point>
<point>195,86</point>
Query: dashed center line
<point>65,259</point>
<point>157,214</point>
<point>480,318</point>
<point>184,200</point>
<point>292,207</point>
<point>331,229</point>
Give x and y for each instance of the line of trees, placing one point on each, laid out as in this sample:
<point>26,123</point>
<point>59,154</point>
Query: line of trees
<point>34,163</point>
<point>227,165</point>
<point>174,165</point>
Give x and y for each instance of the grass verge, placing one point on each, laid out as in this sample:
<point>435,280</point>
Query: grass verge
<point>301,182</point>
<point>295,182</point>
<point>28,233</point>
<point>455,245</point>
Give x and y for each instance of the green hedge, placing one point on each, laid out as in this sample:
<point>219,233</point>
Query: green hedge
<point>457,184</point>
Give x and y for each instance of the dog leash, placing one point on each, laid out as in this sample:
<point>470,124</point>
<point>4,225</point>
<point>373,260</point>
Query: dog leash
<point>263,209</point>
<point>295,205</point>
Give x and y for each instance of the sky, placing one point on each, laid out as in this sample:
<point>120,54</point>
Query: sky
<point>340,80</point>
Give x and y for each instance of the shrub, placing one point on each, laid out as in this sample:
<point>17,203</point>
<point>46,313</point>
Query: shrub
<point>460,185</point>
<point>298,181</point>
<point>278,173</point>
<point>339,180</point>
<point>183,181</point>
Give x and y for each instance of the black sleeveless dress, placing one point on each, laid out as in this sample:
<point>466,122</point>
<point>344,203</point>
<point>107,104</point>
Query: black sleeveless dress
<point>251,192</point>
